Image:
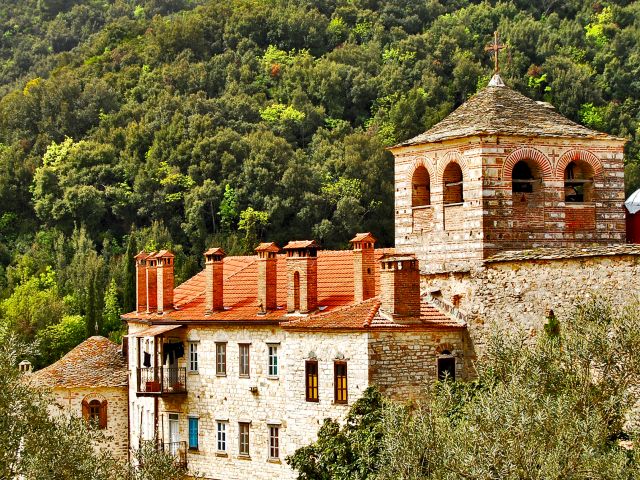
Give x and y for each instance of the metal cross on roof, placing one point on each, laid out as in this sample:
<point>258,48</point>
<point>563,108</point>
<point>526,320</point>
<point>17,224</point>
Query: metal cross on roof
<point>495,47</point>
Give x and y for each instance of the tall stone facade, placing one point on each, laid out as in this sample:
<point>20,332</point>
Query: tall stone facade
<point>506,173</point>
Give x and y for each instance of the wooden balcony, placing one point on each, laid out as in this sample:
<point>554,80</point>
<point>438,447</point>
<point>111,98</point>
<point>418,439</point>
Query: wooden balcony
<point>162,381</point>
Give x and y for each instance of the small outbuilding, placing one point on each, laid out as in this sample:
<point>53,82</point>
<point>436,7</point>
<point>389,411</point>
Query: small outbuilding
<point>92,380</point>
<point>632,206</point>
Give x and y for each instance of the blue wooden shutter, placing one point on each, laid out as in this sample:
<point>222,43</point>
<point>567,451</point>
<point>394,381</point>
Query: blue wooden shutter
<point>193,433</point>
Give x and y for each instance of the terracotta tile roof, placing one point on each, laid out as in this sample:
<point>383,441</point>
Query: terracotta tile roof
<point>366,315</point>
<point>563,253</point>
<point>268,247</point>
<point>215,251</point>
<point>164,253</point>
<point>501,110</point>
<point>96,362</point>
<point>361,237</point>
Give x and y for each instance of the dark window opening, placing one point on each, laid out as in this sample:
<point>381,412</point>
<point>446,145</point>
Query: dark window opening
<point>420,188</point>
<point>446,367</point>
<point>453,184</point>
<point>578,182</point>
<point>522,179</point>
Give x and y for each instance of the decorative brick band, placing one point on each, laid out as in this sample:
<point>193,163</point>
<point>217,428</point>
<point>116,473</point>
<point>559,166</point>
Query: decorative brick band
<point>576,156</point>
<point>452,157</point>
<point>527,153</point>
<point>421,162</point>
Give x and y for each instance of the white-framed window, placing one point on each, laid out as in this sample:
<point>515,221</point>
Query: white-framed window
<point>193,356</point>
<point>273,360</point>
<point>243,438</point>
<point>274,442</point>
<point>221,436</point>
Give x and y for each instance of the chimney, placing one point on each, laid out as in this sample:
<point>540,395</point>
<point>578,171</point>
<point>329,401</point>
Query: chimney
<point>25,367</point>
<point>141,281</point>
<point>364,277</point>
<point>302,276</point>
<point>165,259</point>
<point>267,276</point>
<point>214,272</point>
<point>400,285</point>
<point>152,282</point>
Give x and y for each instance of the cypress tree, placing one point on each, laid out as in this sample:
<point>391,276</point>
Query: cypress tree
<point>129,288</point>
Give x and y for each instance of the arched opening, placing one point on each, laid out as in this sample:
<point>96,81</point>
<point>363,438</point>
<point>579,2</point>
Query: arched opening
<point>296,291</point>
<point>446,366</point>
<point>94,412</point>
<point>453,184</point>
<point>420,188</point>
<point>525,177</point>
<point>578,182</point>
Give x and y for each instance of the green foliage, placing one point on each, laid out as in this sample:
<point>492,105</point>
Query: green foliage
<point>111,321</point>
<point>592,116</point>
<point>229,208</point>
<point>281,113</point>
<point>252,223</point>
<point>57,339</point>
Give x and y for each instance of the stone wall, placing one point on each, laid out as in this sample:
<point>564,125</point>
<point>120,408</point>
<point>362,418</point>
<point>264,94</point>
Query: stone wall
<point>519,294</point>
<point>68,401</point>
<point>401,364</point>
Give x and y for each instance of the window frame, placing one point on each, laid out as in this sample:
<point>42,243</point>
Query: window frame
<point>194,435</point>
<point>244,439</point>
<point>273,368</point>
<point>337,388</point>
<point>221,436</point>
<point>221,359</point>
<point>311,392</point>
<point>274,442</point>
<point>193,357</point>
<point>244,369</point>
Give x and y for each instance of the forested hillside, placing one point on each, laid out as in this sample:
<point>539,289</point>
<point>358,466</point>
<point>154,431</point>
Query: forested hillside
<point>183,124</point>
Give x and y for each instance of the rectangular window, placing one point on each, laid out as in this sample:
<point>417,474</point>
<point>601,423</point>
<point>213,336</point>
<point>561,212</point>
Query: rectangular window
<point>273,360</point>
<point>244,359</point>
<point>193,357</point>
<point>193,433</point>
<point>221,359</point>
<point>274,442</point>
<point>311,380</point>
<point>243,447</point>
<point>222,436</point>
<point>340,382</point>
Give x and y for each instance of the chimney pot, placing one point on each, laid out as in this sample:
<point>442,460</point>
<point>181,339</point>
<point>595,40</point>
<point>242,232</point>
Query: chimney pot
<point>214,273</point>
<point>364,279</point>
<point>302,276</point>
<point>267,276</point>
<point>400,285</point>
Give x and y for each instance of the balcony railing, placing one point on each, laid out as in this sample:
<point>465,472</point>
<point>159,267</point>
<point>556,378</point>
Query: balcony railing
<point>161,380</point>
<point>178,450</point>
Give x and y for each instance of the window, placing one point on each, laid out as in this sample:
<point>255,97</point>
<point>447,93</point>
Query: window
<point>243,440</point>
<point>311,380</point>
<point>221,359</point>
<point>578,182</point>
<point>340,382</point>
<point>193,357</point>
<point>95,412</point>
<point>420,188</point>
<point>273,360</point>
<point>244,359</point>
<point>274,442</point>
<point>193,433</point>
<point>453,185</point>
<point>222,436</point>
<point>522,178</point>
<point>446,366</point>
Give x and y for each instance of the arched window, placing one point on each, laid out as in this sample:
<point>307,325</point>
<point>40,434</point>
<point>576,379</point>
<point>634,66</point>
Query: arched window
<point>453,185</point>
<point>522,178</point>
<point>95,412</point>
<point>446,366</point>
<point>578,182</point>
<point>296,291</point>
<point>420,188</point>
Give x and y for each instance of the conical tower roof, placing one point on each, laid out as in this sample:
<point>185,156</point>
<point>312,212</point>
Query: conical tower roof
<point>500,110</point>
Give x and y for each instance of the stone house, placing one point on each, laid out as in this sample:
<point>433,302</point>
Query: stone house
<point>505,210</point>
<point>91,380</point>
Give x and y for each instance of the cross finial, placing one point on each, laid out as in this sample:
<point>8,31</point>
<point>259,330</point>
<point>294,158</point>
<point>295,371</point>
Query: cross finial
<point>495,47</point>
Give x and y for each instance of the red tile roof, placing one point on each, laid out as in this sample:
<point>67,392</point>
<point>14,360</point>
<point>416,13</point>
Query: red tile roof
<point>268,247</point>
<point>335,297</point>
<point>360,237</point>
<point>96,362</point>
<point>300,244</point>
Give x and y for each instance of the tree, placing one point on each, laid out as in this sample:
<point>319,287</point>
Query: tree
<point>252,223</point>
<point>56,340</point>
<point>229,208</point>
<point>129,287</point>
<point>111,321</point>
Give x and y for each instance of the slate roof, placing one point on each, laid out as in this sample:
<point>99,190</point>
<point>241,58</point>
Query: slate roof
<point>498,109</point>
<point>335,297</point>
<point>96,362</point>
<point>563,253</point>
